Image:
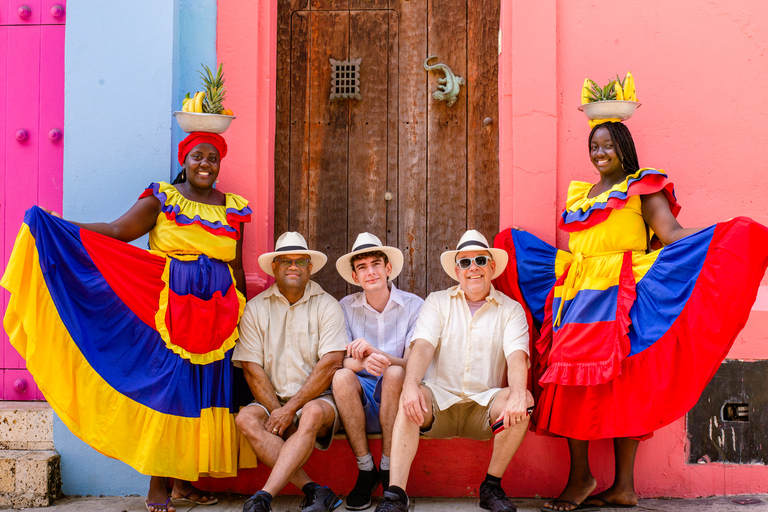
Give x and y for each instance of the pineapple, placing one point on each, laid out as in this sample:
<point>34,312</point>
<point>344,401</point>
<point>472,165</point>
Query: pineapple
<point>214,90</point>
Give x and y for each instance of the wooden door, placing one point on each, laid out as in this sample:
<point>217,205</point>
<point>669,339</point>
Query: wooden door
<point>31,131</point>
<point>397,162</point>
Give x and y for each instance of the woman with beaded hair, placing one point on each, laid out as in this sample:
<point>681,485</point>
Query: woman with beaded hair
<point>629,337</point>
<point>132,348</point>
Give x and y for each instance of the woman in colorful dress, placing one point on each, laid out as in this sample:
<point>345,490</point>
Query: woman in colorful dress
<point>132,348</point>
<point>629,338</point>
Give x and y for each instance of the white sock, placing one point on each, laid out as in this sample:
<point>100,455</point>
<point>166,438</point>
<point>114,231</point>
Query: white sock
<point>365,463</point>
<point>384,463</point>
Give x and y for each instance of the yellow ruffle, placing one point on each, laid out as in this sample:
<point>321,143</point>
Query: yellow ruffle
<point>579,190</point>
<point>151,442</point>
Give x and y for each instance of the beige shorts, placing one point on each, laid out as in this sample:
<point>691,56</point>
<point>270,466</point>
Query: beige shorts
<point>321,443</point>
<point>468,420</point>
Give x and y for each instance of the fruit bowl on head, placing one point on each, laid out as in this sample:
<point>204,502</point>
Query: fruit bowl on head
<point>211,123</point>
<point>609,109</point>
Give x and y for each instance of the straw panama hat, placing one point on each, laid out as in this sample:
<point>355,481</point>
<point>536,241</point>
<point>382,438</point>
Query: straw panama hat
<point>473,240</point>
<point>291,242</point>
<point>367,242</point>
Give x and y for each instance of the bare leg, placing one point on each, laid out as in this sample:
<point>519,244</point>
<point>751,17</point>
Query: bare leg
<point>581,483</point>
<point>405,442</point>
<point>391,387</point>
<point>317,418</point>
<point>267,446</point>
<point>506,443</point>
<point>622,492</point>
<point>347,392</point>
<point>158,494</point>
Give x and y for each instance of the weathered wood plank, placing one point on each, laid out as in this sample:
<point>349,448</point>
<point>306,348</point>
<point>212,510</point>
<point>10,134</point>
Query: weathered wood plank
<point>368,4</point>
<point>367,210</point>
<point>329,5</point>
<point>283,114</point>
<point>412,194</point>
<point>296,203</point>
<point>392,129</point>
<point>447,147</point>
<point>483,103</point>
<point>328,147</point>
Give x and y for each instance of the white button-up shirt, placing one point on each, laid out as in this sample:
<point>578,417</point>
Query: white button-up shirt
<point>470,360</point>
<point>391,330</point>
<point>288,340</point>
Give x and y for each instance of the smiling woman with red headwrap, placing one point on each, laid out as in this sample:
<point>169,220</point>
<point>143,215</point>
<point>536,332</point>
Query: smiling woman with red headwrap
<point>131,347</point>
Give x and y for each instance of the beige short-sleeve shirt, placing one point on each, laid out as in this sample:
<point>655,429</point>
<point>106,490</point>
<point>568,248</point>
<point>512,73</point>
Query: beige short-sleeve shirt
<point>288,340</point>
<point>471,353</point>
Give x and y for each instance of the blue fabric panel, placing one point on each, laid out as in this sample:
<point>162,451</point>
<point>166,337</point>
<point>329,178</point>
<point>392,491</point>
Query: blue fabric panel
<point>535,270</point>
<point>664,291</point>
<point>122,349</point>
<point>588,306</point>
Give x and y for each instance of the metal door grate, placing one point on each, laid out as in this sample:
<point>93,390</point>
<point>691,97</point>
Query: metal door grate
<point>345,79</point>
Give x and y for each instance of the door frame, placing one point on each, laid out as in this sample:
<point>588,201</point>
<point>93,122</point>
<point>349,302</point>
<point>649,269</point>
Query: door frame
<point>527,108</point>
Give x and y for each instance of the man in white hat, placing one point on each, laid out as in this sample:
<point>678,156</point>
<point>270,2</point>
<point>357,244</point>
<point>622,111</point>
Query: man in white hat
<point>380,321</point>
<point>292,340</point>
<point>467,340</point>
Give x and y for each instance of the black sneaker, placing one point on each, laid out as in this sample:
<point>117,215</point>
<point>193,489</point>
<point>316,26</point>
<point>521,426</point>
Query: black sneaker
<point>259,502</point>
<point>384,477</point>
<point>360,496</point>
<point>493,498</point>
<point>391,503</point>
<point>322,499</point>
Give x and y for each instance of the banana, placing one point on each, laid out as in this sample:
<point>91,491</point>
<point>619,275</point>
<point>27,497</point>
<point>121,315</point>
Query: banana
<point>585,92</point>
<point>199,102</point>
<point>629,87</point>
<point>619,92</point>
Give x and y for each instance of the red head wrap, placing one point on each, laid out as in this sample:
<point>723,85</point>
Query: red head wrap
<point>195,138</point>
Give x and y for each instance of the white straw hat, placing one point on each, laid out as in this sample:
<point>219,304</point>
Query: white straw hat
<point>291,242</point>
<point>473,240</point>
<point>367,242</point>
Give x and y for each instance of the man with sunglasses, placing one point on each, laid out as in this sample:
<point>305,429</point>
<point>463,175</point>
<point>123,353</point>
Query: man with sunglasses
<point>467,340</point>
<point>292,341</point>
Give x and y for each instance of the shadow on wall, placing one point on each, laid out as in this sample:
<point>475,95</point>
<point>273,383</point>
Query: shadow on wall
<point>86,472</point>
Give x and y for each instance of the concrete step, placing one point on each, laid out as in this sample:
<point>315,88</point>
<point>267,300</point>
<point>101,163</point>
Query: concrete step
<point>26,426</point>
<point>30,474</point>
<point>29,478</point>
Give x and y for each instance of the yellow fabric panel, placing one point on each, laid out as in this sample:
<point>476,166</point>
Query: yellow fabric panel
<point>151,442</point>
<point>623,228</point>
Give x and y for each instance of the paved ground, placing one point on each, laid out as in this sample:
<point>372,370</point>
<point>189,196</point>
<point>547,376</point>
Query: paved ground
<point>234,503</point>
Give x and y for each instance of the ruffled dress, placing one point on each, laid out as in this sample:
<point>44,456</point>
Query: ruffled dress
<point>130,347</point>
<point>628,339</point>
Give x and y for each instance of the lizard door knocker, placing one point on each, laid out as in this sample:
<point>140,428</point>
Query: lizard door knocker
<point>448,88</point>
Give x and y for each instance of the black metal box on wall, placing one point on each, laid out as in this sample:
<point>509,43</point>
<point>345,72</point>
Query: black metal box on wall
<point>730,421</point>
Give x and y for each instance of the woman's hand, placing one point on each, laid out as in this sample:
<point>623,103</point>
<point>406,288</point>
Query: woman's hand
<point>51,213</point>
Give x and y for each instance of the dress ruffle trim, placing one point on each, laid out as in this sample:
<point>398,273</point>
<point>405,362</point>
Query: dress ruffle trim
<point>218,220</point>
<point>583,212</point>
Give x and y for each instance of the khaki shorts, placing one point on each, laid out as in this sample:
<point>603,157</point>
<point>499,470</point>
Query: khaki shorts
<point>321,443</point>
<point>468,420</point>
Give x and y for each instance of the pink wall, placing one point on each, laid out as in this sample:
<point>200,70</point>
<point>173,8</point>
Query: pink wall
<point>700,70</point>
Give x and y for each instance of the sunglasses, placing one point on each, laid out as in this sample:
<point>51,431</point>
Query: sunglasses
<point>287,263</point>
<point>480,261</point>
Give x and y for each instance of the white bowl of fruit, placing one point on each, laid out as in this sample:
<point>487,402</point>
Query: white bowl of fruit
<point>204,112</point>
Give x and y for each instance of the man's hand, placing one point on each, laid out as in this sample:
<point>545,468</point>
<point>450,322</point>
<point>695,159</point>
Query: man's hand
<point>360,349</point>
<point>413,403</point>
<point>376,364</point>
<point>280,420</point>
<point>514,410</point>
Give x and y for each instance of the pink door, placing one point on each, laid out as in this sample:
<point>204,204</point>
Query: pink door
<point>31,135</point>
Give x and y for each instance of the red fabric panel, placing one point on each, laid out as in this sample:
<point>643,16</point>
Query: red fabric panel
<point>135,275</point>
<point>195,324</point>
